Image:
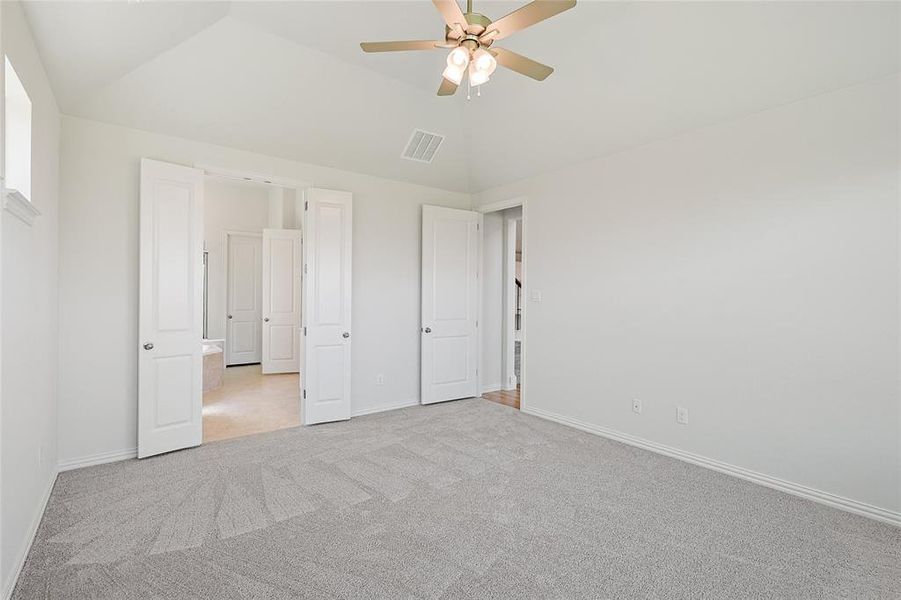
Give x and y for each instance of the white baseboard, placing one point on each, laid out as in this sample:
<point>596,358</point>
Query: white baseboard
<point>803,491</point>
<point>96,459</point>
<point>10,584</point>
<point>378,409</point>
<point>494,387</point>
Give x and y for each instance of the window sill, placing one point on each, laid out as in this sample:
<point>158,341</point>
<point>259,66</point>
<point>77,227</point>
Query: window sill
<point>18,206</point>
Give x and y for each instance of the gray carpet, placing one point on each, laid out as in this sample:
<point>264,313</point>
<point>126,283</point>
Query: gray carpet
<point>465,499</point>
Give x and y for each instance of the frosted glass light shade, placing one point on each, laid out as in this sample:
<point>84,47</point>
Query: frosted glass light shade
<point>458,57</point>
<point>484,62</point>
<point>477,77</point>
<point>454,74</point>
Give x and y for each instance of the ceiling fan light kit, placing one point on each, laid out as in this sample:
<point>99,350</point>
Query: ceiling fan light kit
<point>454,74</point>
<point>477,77</point>
<point>470,36</point>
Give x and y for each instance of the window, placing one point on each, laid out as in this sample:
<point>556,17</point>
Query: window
<point>17,151</point>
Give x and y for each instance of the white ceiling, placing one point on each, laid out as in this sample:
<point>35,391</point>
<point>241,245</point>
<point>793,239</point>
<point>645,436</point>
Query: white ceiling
<point>289,79</point>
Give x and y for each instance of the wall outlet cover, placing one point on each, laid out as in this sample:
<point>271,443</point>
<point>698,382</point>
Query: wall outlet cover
<point>682,415</point>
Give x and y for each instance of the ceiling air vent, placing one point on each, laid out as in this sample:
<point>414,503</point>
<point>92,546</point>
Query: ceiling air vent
<point>422,146</point>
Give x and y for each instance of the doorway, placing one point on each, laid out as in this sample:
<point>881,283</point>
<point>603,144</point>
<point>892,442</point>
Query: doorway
<point>252,306</point>
<point>183,345</point>
<point>503,299</point>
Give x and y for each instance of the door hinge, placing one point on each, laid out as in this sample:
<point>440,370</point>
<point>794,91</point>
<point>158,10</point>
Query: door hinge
<point>477,323</point>
<point>304,330</point>
<point>305,268</point>
<point>306,204</point>
<point>477,226</point>
<point>304,394</point>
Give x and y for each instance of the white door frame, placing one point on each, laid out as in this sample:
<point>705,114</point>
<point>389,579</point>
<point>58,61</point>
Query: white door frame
<point>226,255</point>
<point>509,321</point>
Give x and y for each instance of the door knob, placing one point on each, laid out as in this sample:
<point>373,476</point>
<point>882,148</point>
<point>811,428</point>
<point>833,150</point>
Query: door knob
<point>345,335</point>
<point>229,316</point>
<point>428,330</point>
<point>266,320</point>
<point>148,346</point>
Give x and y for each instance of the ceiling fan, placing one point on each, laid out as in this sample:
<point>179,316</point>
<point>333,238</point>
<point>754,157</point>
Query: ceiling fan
<point>471,37</point>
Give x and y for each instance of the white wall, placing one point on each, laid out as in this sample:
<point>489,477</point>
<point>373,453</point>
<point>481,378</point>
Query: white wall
<point>748,271</point>
<point>227,207</point>
<point>98,277</point>
<point>29,319</point>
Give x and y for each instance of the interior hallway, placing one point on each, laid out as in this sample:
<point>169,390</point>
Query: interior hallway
<point>249,402</point>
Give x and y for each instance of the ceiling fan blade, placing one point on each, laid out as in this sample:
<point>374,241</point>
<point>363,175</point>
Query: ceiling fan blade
<point>528,15</point>
<point>447,88</point>
<point>452,14</point>
<point>401,46</point>
<point>521,64</point>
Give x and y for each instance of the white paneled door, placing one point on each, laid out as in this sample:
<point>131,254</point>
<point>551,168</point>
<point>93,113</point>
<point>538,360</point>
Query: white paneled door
<point>170,321</point>
<point>325,364</point>
<point>450,304</point>
<point>281,300</point>
<point>244,306</point>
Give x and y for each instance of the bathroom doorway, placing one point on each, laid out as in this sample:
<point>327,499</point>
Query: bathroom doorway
<point>311,350</point>
<point>251,313</point>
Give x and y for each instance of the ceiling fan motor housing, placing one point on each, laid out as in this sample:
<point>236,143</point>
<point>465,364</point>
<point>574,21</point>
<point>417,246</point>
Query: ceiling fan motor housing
<point>476,25</point>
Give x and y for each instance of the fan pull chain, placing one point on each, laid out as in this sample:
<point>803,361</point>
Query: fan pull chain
<point>468,89</point>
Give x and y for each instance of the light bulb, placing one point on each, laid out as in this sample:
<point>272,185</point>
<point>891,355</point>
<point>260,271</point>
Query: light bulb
<point>484,62</point>
<point>454,74</point>
<point>477,77</point>
<point>458,57</point>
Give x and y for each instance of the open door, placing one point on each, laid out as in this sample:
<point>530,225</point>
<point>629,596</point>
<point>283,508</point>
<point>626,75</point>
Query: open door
<point>450,304</point>
<point>170,314</point>
<point>281,300</point>
<point>325,365</point>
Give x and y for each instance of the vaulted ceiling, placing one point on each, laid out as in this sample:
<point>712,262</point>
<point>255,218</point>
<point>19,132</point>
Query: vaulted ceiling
<point>289,79</point>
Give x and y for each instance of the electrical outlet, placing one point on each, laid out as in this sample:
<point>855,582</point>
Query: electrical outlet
<point>380,379</point>
<point>535,295</point>
<point>636,406</point>
<point>681,415</point>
